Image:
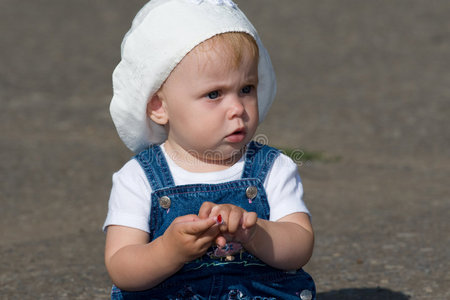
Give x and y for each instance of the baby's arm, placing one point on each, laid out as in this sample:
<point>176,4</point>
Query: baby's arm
<point>134,264</point>
<point>286,244</point>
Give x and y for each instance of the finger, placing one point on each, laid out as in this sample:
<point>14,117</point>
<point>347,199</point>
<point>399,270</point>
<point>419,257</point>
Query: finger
<point>228,237</point>
<point>207,238</point>
<point>212,231</point>
<point>221,241</point>
<point>217,210</point>
<point>199,226</point>
<point>186,218</point>
<point>249,220</point>
<point>235,219</point>
<point>205,210</point>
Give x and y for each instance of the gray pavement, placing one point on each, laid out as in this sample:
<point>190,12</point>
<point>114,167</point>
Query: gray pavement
<point>364,83</point>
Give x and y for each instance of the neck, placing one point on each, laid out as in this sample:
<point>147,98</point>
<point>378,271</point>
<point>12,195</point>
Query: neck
<point>201,162</point>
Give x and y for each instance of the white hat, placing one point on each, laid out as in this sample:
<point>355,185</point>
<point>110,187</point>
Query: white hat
<point>162,33</point>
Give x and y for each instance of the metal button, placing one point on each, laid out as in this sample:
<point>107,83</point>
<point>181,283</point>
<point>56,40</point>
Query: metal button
<point>306,295</point>
<point>251,192</point>
<point>165,202</point>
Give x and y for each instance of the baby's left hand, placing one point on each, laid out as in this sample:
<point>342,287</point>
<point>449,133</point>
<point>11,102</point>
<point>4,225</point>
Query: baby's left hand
<point>237,224</point>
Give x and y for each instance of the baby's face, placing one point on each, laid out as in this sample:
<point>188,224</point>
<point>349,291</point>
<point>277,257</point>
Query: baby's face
<point>210,103</point>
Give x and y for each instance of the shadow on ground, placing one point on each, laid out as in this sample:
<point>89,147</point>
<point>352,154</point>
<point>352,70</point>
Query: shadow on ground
<point>362,293</point>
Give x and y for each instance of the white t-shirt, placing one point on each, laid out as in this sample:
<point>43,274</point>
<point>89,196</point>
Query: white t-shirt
<point>130,199</point>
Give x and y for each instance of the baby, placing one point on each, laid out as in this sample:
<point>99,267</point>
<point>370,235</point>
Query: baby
<point>201,211</point>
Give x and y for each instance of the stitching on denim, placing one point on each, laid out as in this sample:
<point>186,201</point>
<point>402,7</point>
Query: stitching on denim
<point>144,160</point>
<point>155,182</point>
<point>162,176</point>
<point>165,170</point>
<point>206,188</point>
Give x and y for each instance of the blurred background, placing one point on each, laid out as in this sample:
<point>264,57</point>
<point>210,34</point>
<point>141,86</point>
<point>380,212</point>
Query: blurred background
<point>363,93</point>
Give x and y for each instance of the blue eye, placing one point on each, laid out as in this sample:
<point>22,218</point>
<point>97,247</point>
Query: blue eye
<point>213,95</point>
<point>247,89</point>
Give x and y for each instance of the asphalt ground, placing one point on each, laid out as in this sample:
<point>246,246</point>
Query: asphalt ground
<point>363,93</point>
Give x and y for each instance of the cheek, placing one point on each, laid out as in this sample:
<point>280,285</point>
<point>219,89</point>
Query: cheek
<point>200,123</point>
<point>207,124</point>
<point>181,114</point>
<point>252,111</point>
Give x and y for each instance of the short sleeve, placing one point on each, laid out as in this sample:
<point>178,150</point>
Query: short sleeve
<point>284,189</point>
<point>129,201</point>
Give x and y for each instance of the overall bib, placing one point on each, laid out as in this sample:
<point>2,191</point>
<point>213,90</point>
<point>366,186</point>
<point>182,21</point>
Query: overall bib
<point>222,273</point>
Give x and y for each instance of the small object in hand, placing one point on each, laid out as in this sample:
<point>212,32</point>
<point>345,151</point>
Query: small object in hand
<point>219,219</point>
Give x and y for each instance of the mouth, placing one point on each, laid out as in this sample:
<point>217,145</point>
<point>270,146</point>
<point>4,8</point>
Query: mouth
<point>236,136</point>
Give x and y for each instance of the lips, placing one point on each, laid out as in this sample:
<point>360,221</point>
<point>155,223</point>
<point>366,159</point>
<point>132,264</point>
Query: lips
<point>237,136</point>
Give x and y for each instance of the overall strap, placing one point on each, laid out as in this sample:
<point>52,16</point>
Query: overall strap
<point>155,166</point>
<point>258,160</point>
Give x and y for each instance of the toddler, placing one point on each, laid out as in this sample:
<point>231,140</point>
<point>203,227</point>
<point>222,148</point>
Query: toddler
<point>201,212</point>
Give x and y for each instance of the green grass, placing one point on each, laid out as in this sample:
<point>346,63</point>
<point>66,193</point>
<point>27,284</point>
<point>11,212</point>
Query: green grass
<point>299,155</point>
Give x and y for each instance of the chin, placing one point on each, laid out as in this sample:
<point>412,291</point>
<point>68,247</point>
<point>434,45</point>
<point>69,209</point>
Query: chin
<point>236,149</point>
<point>223,153</point>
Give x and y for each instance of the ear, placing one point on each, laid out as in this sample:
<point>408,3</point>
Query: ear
<point>156,110</point>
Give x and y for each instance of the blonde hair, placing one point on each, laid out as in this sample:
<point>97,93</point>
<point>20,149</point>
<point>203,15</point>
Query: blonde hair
<point>236,45</point>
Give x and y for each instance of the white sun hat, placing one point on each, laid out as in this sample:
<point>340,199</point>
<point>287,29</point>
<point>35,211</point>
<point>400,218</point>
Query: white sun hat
<point>162,33</point>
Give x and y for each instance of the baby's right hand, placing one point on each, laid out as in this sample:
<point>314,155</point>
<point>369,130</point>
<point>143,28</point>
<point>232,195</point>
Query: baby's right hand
<point>189,237</point>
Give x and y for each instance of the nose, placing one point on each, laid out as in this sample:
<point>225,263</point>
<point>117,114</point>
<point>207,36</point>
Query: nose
<point>235,107</point>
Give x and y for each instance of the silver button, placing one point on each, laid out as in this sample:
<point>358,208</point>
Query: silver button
<point>306,295</point>
<point>165,202</point>
<point>251,192</point>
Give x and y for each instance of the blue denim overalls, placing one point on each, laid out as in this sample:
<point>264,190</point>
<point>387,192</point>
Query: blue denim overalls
<point>221,273</point>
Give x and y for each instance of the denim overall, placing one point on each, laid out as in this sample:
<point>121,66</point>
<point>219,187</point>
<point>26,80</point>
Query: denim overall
<point>222,273</point>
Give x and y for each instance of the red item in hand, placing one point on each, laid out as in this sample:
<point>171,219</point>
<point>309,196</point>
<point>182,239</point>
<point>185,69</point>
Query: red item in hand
<point>219,219</point>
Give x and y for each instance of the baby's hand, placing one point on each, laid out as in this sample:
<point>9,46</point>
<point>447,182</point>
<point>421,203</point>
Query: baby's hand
<point>235,223</point>
<point>189,237</point>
